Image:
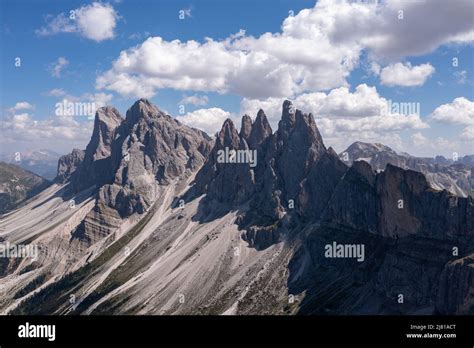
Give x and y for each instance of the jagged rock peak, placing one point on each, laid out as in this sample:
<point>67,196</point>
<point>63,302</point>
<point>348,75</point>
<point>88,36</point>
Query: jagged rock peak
<point>145,109</point>
<point>262,121</point>
<point>306,120</point>
<point>228,135</point>
<point>246,127</point>
<point>287,115</point>
<point>261,130</point>
<point>228,124</point>
<point>107,119</point>
<point>96,168</point>
<point>332,152</point>
<point>364,169</point>
<point>288,107</point>
<point>108,112</point>
<point>306,133</point>
<point>68,164</point>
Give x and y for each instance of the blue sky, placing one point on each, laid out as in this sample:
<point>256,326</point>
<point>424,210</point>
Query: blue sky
<point>217,19</point>
<point>405,61</point>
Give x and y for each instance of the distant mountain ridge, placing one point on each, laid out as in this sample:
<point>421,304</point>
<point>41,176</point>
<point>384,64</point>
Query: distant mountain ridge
<point>16,185</point>
<point>41,162</point>
<point>441,173</point>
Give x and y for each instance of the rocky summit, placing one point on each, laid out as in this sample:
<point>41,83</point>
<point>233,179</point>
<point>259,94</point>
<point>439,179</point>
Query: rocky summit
<point>155,217</point>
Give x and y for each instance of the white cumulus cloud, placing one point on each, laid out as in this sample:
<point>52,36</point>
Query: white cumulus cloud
<point>468,133</point>
<point>406,75</point>
<point>342,108</point>
<point>343,116</point>
<point>21,106</point>
<point>22,131</point>
<point>315,50</point>
<point>208,120</point>
<point>96,22</point>
<point>460,111</point>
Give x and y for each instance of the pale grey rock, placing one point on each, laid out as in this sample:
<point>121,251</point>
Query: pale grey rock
<point>68,164</point>
<point>246,127</point>
<point>151,148</point>
<point>96,169</point>
<point>455,177</point>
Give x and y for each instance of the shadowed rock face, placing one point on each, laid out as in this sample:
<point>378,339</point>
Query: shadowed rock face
<point>319,186</point>
<point>246,127</point>
<point>409,206</point>
<point>92,167</point>
<point>455,287</point>
<point>353,203</point>
<point>397,203</point>
<point>230,183</point>
<point>234,183</point>
<point>68,164</point>
<point>260,130</point>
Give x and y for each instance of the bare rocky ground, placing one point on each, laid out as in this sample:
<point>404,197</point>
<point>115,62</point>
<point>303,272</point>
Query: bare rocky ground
<point>173,264</point>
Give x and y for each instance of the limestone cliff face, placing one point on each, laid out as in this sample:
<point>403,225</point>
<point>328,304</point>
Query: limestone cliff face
<point>397,203</point>
<point>227,182</point>
<point>96,168</point>
<point>318,188</point>
<point>127,159</point>
<point>290,155</point>
<point>150,148</point>
<point>92,166</point>
<point>456,286</point>
<point>407,205</point>
<point>68,164</point>
<point>235,183</point>
<point>353,202</point>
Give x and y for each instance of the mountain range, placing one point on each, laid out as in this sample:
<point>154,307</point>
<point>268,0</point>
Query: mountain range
<point>17,185</point>
<point>151,218</point>
<point>41,162</point>
<point>441,173</point>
